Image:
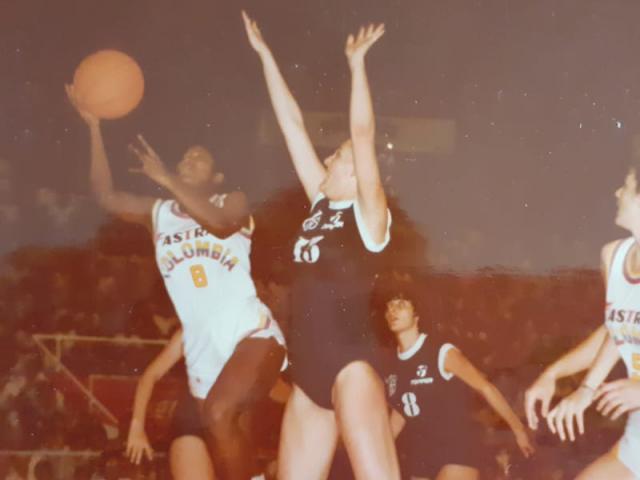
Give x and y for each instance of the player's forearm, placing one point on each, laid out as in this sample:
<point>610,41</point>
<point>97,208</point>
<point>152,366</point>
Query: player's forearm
<point>100,172</point>
<point>361,118</point>
<point>608,355</point>
<point>579,358</point>
<point>286,108</point>
<point>144,389</point>
<point>221,222</point>
<point>362,128</point>
<point>496,400</point>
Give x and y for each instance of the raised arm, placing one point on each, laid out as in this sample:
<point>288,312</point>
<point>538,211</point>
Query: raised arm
<point>575,360</point>
<point>371,197</point>
<point>137,442</point>
<point>136,208</point>
<point>457,364</point>
<point>222,218</point>
<point>310,170</point>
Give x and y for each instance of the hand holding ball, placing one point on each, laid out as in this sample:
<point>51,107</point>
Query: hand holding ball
<point>107,84</point>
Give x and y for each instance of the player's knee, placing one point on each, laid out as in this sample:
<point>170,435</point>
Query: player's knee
<point>359,374</point>
<point>219,415</point>
<point>358,380</point>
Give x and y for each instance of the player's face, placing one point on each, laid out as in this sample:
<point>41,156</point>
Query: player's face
<point>196,167</point>
<point>400,315</point>
<point>628,202</point>
<point>339,180</point>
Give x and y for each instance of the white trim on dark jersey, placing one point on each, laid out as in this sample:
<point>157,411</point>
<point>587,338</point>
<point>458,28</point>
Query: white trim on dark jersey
<point>407,354</point>
<point>365,236</point>
<point>371,245</point>
<point>442,354</point>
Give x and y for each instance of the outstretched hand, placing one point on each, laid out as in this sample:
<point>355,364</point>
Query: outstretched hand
<point>151,165</point>
<point>254,35</point>
<point>541,391</point>
<point>618,397</point>
<point>357,46</point>
<point>569,412</point>
<point>524,443</point>
<point>138,446</point>
<point>88,117</point>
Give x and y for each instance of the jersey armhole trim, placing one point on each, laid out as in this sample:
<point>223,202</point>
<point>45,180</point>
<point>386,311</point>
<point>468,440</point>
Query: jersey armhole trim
<point>442,355</point>
<point>369,243</point>
<point>155,212</point>
<point>319,196</point>
<point>248,229</point>
<point>612,261</point>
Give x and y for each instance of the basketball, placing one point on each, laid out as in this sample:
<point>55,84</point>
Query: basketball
<point>109,84</point>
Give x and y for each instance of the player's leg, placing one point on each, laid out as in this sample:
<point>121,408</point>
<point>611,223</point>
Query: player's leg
<point>189,459</point>
<point>363,422</point>
<point>607,466</point>
<point>458,472</point>
<point>247,376</point>
<point>308,439</point>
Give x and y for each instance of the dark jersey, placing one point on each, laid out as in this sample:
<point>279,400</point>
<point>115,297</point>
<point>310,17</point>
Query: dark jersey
<point>436,405</point>
<point>335,263</point>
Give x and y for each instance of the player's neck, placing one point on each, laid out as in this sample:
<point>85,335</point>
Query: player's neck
<point>407,339</point>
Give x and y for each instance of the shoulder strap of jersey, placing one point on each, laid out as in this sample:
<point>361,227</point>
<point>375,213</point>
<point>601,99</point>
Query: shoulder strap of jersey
<point>368,242</point>
<point>616,270</point>
<point>442,357</point>
<point>319,197</point>
<point>248,229</point>
<point>155,214</point>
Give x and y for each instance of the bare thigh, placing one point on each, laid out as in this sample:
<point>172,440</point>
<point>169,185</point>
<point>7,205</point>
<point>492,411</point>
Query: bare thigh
<point>363,422</point>
<point>189,459</point>
<point>308,439</point>
<point>458,472</point>
<point>606,467</point>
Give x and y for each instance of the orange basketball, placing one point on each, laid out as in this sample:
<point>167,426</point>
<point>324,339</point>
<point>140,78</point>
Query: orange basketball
<point>108,84</point>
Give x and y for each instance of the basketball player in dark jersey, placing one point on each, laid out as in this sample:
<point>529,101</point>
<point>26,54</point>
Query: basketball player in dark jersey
<point>188,455</point>
<point>337,393</point>
<point>428,387</point>
<point>189,458</point>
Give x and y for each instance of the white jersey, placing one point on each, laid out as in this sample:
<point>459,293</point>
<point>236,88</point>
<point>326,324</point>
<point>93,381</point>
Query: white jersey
<point>622,315</point>
<point>622,318</point>
<point>209,281</point>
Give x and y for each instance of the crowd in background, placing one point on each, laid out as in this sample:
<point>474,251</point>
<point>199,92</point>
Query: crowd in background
<point>509,323</point>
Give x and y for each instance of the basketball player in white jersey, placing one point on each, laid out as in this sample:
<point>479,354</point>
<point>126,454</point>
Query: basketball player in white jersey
<point>618,338</point>
<point>232,346</point>
<point>337,394</point>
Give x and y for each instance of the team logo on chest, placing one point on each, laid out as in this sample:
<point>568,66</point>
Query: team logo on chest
<point>312,222</point>
<point>334,222</point>
<point>421,374</point>
<point>392,384</point>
